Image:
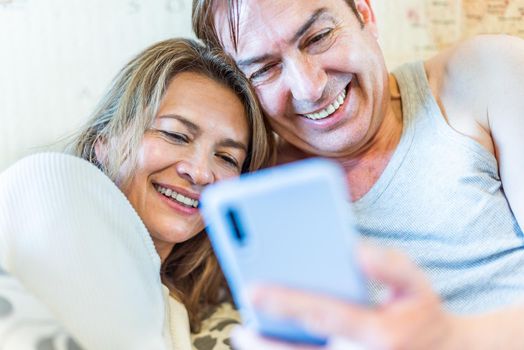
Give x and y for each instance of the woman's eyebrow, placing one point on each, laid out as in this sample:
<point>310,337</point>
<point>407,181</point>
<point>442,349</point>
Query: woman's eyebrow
<point>187,123</point>
<point>233,144</point>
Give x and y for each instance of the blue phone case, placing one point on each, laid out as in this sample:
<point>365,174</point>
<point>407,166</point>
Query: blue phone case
<point>289,225</point>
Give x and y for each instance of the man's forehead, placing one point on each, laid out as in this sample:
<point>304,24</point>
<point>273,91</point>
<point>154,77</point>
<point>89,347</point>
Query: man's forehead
<point>263,24</point>
<point>255,20</point>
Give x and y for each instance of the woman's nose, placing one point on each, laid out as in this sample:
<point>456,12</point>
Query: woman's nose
<point>196,170</point>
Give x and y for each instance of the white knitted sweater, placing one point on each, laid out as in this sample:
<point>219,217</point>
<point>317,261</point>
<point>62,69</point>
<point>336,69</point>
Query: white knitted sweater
<point>81,264</point>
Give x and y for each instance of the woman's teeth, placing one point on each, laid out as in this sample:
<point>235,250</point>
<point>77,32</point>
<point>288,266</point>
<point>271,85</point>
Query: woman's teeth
<point>189,202</point>
<point>329,110</point>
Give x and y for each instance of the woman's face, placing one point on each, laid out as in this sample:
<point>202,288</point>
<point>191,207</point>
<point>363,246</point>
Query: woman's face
<point>199,136</point>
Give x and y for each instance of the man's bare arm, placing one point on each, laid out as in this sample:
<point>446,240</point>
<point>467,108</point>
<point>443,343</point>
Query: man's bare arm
<point>479,85</point>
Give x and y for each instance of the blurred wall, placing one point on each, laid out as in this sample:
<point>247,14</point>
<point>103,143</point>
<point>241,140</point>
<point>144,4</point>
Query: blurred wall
<point>417,29</point>
<point>58,56</point>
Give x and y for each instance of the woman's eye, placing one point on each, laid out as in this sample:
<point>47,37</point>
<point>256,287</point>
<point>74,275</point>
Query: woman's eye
<point>229,160</point>
<point>175,136</point>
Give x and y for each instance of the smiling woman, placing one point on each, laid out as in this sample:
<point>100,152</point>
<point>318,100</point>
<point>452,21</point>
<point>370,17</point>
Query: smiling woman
<point>177,118</point>
<point>195,140</point>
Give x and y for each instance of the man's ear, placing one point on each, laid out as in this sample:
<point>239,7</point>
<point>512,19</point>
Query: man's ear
<point>367,16</point>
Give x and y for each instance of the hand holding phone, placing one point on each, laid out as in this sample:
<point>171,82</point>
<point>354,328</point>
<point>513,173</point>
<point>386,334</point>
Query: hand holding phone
<point>289,225</point>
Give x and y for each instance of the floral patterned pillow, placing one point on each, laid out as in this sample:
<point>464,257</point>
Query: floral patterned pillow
<point>216,329</point>
<point>25,323</point>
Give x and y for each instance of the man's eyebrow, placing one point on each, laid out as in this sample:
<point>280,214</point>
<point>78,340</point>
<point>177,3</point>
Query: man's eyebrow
<point>254,60</point>
<point>233,144</point>
<point>188,124</point>
<point>304,28</point>
<point>314,17</point>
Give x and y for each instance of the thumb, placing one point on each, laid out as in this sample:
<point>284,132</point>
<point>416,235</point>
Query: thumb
<point>393,269</point>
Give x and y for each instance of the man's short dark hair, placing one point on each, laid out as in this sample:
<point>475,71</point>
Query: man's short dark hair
<point>204,21</point>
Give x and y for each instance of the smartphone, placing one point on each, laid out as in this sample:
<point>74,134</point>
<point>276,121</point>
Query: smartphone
<point>290,225</point>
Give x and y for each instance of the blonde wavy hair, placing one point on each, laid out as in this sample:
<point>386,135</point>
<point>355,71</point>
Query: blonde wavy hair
<point>120,121</point>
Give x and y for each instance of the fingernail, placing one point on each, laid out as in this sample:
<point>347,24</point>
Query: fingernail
<point>253,293</point>
<point>370,253</point>
<point>237,337</point>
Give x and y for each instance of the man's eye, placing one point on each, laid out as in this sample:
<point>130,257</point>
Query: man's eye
<point>263,73</point>
<point>321,39</point>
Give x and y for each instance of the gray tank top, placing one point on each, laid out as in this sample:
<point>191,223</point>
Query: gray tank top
<point>440,200</point>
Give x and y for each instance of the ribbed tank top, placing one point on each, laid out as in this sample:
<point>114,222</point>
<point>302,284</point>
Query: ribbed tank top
<point>440,200</point>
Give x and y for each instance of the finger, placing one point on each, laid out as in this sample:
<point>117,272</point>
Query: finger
<point>246,339</point>
<point>339,343</point>
<point>318,313</point>
<point>392,268</point>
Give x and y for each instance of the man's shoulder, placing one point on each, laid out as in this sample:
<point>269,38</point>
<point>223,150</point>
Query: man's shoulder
<point>476,60</point>
<point>466,78</point>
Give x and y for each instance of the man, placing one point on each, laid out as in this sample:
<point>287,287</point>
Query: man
<point>434,169</point>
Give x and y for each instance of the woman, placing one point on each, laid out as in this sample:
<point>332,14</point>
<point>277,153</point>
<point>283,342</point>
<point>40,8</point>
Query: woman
<point>177,118</point>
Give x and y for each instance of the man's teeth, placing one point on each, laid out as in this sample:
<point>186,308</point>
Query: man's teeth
<point>326,112</point>
<point>190,202</point>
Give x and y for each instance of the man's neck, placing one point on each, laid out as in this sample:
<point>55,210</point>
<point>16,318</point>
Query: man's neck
<point>365,168</point>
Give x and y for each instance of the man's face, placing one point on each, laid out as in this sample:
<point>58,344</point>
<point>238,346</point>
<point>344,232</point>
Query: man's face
<point>320,76</point>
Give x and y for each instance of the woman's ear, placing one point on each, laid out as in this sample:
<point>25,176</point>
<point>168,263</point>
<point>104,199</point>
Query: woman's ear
<point>101,151</point>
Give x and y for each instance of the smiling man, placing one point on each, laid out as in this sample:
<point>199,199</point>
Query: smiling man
<point>432,154</point>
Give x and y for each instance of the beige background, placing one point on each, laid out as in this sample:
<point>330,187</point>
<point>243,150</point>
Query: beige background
<point>57,56</point>
<point>413,29</point>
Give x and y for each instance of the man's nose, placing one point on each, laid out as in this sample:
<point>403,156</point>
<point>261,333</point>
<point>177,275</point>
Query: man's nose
<point>306,78</point>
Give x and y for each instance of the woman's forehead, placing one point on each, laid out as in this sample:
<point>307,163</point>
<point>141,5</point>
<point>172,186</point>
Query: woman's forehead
<point>200,102</point>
